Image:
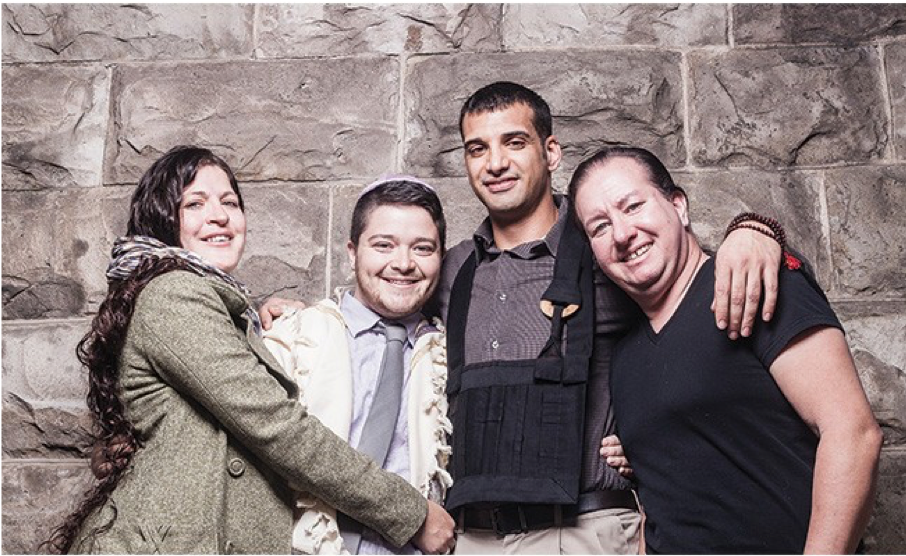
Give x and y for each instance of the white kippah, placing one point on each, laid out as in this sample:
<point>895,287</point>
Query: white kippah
<point>387,178</point>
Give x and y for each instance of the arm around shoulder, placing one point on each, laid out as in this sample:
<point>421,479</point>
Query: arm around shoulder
<point>185,328</point>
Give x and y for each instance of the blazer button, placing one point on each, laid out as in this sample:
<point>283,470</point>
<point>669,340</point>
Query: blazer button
<point>236,467</point>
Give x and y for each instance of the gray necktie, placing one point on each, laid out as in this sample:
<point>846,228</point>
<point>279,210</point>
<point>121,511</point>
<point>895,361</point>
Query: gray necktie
<point>377,432</point>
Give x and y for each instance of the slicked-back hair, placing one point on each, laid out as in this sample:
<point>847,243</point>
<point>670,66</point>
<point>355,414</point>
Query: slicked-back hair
<point>657,172</point>
<point>504,94</point>
<point>400,192</point>
<point>155,204</point>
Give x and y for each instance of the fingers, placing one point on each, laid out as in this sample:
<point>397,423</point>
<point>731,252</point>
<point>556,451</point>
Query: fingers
<point>612,441</point>
<point>721,306</point>
<point>753,296</point>
<point>436,534</point>
<point>268,313</point>
<point>737,303</point>
<point>771,287</point>
<point>273,308</point>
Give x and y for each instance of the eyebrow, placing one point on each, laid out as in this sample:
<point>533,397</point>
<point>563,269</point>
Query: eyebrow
<point>395,238</point>
<point>621,202</point>
<point>520,133</point>
<point>506,135</point>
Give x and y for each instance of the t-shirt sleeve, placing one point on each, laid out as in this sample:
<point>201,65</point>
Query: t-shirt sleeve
<point>801,305</point>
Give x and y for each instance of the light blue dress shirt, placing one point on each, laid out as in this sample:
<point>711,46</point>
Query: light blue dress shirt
<point>366,348</point>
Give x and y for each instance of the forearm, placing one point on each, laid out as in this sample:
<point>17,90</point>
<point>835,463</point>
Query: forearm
<point>843,493</point>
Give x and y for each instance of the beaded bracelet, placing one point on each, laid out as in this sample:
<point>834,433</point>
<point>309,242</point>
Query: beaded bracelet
<point>777,233</point>
<point>771,223</point>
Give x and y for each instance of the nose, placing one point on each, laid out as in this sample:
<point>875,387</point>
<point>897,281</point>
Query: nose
<point>498,161</point>
<point>623,231</point>
<point>217,214</point>
<point>403,261</point>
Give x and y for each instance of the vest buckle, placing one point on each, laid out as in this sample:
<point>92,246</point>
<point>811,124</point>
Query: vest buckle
<point>547,307</point>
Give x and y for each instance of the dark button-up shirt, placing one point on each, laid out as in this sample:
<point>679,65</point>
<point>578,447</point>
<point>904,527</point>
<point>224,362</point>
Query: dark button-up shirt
<point>505,322</point>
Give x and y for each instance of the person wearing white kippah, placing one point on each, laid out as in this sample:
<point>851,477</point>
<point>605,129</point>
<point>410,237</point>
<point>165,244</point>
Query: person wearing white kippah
<point>338,351</point>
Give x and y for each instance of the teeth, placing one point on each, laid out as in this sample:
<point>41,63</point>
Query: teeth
<point>638,252</point>
<point>218,239</point>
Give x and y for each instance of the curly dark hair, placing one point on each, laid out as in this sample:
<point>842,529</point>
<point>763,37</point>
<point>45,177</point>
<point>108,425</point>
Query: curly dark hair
<point>154,212</point>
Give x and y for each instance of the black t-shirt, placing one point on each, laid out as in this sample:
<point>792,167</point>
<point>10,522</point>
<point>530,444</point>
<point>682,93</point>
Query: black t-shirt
<point>724,462</point>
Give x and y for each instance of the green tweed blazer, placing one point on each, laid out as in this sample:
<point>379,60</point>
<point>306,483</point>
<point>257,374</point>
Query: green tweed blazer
<point>225,441</point>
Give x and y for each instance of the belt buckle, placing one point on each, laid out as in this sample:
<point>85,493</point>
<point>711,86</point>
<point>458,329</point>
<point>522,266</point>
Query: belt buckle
<point>496,525</point>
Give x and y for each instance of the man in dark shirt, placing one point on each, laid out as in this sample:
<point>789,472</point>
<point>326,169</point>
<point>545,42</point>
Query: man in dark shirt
<point>510,154</point>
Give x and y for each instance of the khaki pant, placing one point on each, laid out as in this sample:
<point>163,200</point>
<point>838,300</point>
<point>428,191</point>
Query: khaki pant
<point>610,531</point>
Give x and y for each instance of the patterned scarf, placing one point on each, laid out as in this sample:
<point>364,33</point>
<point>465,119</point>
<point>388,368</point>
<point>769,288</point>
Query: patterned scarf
<point>130,251</point>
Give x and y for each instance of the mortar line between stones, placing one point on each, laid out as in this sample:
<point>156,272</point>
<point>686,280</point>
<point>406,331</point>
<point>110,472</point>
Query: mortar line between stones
<point>888,105</point>
<point>687,118</point>
<point>110,121</point>
<point>255,31</point>
<point>331,199</point>
<point>731,38</point>
<point>824,215</point>
<point>401,116</point>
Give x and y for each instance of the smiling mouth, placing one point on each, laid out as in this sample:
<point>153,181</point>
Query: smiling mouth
<point>401,282</point>
<point>497,186</point>
<point>637,253</point>
<point>220,239</point>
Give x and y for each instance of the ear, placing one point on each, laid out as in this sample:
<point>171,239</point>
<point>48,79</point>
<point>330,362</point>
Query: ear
<point>681,205</point>
<point>553,152</point>
<point>350,250</point>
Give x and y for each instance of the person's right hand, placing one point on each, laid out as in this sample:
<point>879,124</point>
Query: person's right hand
<point>273,307</point>
<point>436,534</point>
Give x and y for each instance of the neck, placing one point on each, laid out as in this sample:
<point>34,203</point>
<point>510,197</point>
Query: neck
<point>509,233</point>
<point>660,307</point>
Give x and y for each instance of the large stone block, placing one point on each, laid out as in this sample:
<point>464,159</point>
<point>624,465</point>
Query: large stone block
<point>54,124</point>
<point>299,120</point>
<point>462,212</point>
<point>895,64</point>
<point>37,497</point>
<point>865,208</point>
<point>56,246</point>
<point>886,534</point>
<point>872,331</point>
<point>786,107</point>
<point>816,23</point>
<point>287,248</point>
<point>65,32</point>
<point>791,197</point>
<point>44,389</point>
<point>596,98</point>
<point>561,26</point>
<point>289,30</point>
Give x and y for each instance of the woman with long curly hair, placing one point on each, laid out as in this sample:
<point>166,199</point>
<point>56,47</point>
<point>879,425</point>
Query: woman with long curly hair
<point>201,440</point>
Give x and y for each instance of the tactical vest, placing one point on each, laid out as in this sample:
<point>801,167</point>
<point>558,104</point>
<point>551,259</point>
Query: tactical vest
<point>518,425</point>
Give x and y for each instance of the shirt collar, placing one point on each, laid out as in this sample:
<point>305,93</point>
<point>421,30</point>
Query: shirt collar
<point>484,236</point>
<point>360,319</point>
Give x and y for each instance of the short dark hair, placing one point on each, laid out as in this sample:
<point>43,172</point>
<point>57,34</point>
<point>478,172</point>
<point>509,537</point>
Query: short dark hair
<point>398,192</point>
<point>154,210</point>
<point>503,94</point>
<point>657,172</point>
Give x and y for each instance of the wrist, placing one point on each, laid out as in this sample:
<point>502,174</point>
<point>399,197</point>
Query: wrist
<point>769,227</point>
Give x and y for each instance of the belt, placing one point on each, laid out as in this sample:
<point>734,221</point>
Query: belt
<point>506,519</point>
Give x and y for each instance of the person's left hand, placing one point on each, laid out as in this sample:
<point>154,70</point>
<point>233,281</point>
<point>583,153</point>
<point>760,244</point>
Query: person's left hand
<point>612,452</point>
<point>746,262</point>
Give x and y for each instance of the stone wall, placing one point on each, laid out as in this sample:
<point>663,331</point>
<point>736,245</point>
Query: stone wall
<point>798,111</point>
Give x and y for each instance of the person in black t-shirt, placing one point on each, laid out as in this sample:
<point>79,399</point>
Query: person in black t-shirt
<point>760,445</point>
